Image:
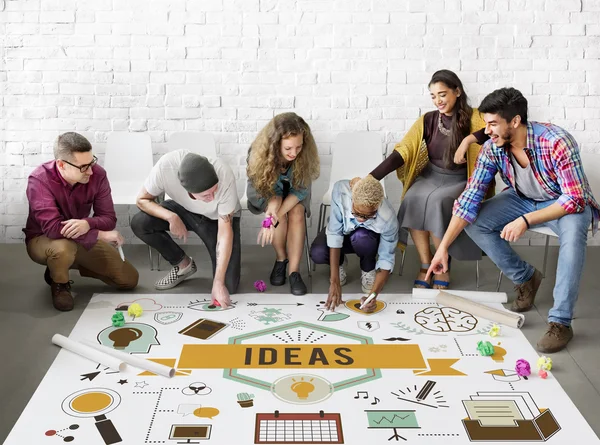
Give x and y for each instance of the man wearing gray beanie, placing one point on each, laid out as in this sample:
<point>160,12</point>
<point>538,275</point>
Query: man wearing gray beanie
<point>201,196</point>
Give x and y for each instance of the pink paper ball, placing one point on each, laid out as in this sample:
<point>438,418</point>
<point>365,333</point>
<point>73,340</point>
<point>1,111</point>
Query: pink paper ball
<point>523,368</point>
<point>267,222</point>
<point>260,286</point>
<point>543,374</point>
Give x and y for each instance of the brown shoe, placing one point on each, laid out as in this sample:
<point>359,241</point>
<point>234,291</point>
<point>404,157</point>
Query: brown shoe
<point>556,338</point>
<point>526,293</point>
<point>61,296</point>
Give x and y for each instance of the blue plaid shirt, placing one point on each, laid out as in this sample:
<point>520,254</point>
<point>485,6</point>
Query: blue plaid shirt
<point>556,163</point>
<point>342,222</point>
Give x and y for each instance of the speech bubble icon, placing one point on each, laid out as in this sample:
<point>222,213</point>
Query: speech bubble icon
<point>186,409</point>
<point>208,412</point>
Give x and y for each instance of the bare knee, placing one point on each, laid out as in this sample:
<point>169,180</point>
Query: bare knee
<point>296,215</point>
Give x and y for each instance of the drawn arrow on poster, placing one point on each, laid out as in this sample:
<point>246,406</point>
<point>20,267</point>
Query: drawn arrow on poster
<point>91,376</point>
<point>276,304</point>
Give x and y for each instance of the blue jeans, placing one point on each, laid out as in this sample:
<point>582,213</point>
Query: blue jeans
<point>572,234</point>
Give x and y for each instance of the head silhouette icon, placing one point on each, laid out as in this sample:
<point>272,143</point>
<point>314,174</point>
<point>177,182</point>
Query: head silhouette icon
<point>135,338</point>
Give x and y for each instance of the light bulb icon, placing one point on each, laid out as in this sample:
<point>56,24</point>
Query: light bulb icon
<point>302,388</point>
<point>499,354</point>
<point>122,337</point>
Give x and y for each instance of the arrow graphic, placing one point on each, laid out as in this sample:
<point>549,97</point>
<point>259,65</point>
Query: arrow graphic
<point>91,376</point>
<point>275,304</point>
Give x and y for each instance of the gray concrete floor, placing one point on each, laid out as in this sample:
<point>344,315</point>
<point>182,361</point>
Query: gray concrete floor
<point>28,320</point>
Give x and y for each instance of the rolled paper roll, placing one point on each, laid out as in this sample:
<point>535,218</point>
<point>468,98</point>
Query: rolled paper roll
<point>512,319</point>
<point>482,297</point>
<point>132,360</point>
<point>89,353</point>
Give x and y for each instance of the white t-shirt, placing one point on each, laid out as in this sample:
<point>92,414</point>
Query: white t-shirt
<point>164,179</point>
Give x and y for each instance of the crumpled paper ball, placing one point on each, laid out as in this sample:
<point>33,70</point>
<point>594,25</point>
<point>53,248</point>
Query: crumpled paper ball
<point>544,363</point>
<point>135,310</point>
<point>523,368</point>
<point>543,374</point>
<point>118,320</point>
<point>267,222</point>
<point>260,286</point>
<point>494,331</point>
<point>485,348</point>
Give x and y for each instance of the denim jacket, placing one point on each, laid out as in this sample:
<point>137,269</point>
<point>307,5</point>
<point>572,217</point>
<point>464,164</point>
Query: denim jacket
<point>342,222</point>
<point>259,203</point>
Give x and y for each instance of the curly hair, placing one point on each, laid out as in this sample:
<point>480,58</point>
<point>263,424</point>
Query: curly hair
<point>367,192</point>
<point>265,160</point>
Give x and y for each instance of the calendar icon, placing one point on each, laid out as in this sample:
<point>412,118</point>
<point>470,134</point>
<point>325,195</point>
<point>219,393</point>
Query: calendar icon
<point>300,428</point>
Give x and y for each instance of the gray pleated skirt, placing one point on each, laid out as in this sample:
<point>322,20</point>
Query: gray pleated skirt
<point>428,204</point>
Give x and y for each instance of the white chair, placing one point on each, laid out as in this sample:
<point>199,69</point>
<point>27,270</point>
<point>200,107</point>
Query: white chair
<point>353,154</point>
<point>591,164</point>
<point>128,162</point>
<point>201,143</point>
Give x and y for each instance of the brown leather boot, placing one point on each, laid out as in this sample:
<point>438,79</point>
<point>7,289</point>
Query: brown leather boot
<point>556,338</point>
<point>526,293</point>
<point>61,296</point>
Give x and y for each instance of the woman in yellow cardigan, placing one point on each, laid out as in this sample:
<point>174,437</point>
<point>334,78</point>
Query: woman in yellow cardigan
<point>425,163</point>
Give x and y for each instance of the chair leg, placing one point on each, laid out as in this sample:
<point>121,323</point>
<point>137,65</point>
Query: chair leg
<point>307,247</point>
<point>150,258</point>
<point>321,207</point>
<point>158,262</point>
<point>499,282</point>
<point>320,225</point>
<point>402,262</point>
<point>477,275</point>
<point>545,256</point>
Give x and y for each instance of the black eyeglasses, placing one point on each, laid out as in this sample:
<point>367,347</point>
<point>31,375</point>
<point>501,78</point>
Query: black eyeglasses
<point>363,216</point>
<point>85,167</point>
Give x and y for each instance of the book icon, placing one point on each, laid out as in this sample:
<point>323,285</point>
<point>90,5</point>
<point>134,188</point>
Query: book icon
<point>203,329</point>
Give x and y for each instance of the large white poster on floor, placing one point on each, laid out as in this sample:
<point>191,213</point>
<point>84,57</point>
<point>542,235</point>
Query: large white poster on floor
<point>280,369</point>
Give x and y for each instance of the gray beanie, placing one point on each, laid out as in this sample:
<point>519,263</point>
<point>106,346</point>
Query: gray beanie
<point>196,173</point>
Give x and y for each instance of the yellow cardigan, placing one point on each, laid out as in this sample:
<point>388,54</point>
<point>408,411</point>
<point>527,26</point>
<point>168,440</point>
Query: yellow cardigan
<point>413,150</point>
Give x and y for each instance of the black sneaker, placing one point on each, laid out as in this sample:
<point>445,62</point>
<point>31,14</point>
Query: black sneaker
<point>297,286</point>
<point>278,273</point>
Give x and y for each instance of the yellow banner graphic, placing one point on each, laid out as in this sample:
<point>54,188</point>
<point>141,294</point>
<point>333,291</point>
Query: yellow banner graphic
<point>302,356</point>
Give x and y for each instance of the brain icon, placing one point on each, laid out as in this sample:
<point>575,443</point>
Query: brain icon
<point>445,319</point>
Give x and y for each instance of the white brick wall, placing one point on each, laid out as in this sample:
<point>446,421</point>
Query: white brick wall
<point>226,66</point>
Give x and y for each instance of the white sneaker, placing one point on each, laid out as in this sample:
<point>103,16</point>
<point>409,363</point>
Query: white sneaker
<point>176,276</point>
<point>367,279</point>
<point>343,276</point>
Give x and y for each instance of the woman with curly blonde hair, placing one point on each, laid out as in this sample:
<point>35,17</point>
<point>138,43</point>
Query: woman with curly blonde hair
<point>363,222</point>
<point>282,163</point>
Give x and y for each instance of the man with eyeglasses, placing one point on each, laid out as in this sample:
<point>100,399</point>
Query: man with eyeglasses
<point>362,221</point>
<point>60,233</point>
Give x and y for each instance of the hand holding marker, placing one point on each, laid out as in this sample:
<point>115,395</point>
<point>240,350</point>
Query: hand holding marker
<point>368,300</point>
